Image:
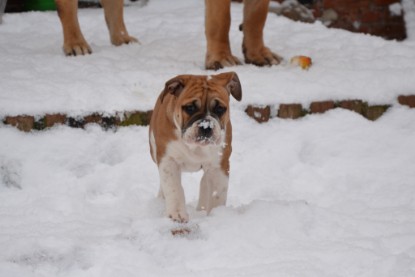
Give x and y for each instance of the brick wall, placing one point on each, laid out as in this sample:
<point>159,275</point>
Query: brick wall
<point>377,17</point>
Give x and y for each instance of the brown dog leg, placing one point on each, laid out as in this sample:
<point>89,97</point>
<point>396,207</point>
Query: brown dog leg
<point>74,42</point>
<point>255,52</point>
<point>217,24</point>
<point>115,21</point>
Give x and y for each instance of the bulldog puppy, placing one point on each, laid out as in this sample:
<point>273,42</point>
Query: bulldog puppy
<point>217,25</point>
<point>74,42</point>
<point>190,130</point>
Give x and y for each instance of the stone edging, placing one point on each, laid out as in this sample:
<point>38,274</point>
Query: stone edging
<point>27,122</point>
<point>259,113</point>
<point>293,111</point>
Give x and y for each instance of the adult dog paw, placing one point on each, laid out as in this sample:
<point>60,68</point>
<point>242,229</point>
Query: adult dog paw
<point>261,57</point>
<point>76,48</point>
<point>220,60</point>
<point>123,38</point>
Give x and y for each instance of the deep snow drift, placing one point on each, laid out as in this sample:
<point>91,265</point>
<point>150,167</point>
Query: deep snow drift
<point>326,195</point>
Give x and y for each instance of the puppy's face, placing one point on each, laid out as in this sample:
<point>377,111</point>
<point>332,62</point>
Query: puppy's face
<point>201,106</point>
<point>203,116</point>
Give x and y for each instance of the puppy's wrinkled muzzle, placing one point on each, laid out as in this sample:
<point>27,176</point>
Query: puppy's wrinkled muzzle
<point>203,131</point>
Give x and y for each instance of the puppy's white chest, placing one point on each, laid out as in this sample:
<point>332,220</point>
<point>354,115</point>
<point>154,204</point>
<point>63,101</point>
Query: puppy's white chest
<point>194,158</point>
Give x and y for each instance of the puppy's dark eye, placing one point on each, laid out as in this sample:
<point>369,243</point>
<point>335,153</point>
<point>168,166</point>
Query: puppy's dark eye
<point>190,109</point>
<point>219,110</point>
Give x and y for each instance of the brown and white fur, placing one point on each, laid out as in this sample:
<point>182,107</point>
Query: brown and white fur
<point>217,25</point>
<point>190,130</point>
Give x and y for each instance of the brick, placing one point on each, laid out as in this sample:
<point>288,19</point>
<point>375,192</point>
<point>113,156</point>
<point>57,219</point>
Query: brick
<point>105,122</point>
<point>260,114</point>
<point>292,111</point>
<point>52,119</point>
<point>321,107</point>
<point>353,105</point>
<point>396,31</point>
<point>354,5</point>
<point>407,100</point>
<point>22,122</point>
<point>373,15</point>
<point>93,118</point>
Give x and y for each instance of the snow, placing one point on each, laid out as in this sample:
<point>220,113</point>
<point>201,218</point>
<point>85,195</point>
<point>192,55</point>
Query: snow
<point>325,195</point>
<point>206,124</point>
<point>395,9</point>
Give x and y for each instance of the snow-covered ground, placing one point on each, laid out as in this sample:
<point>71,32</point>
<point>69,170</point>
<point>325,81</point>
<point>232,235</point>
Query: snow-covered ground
<point>325,195</point>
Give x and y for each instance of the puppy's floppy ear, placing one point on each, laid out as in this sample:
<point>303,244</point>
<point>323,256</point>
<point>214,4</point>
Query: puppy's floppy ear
<point>231,82</point>
<point>173,86</point>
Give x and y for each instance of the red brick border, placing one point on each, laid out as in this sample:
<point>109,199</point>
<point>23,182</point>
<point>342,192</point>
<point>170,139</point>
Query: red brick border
<point>27,123</point>
<point>295,110</point>
<point>260,113</point>
<point>408,100</point>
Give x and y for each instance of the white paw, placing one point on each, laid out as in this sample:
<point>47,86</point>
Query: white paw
<point>178,216</point>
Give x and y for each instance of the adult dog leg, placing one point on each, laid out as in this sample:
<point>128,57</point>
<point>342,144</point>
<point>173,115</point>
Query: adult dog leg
<point>217,25</point>
<point>74,42</point>
<point>255,52</point>
<point>114,17</point>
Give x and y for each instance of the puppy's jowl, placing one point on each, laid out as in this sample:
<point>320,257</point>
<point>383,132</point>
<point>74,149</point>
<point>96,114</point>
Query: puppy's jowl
<point>190,130</point>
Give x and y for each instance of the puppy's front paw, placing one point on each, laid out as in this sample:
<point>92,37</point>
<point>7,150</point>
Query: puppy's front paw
<point>179,216</point>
